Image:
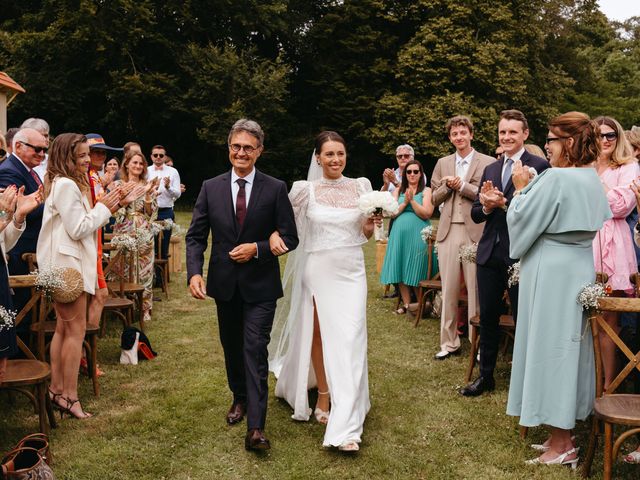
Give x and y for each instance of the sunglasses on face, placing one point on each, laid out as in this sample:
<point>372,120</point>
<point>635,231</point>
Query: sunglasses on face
<point>403,155</point>
<point>38,150</point>
<point>413,172</point>
<point>610,136</point>
<point>553,139</point>
<point>158,155</point>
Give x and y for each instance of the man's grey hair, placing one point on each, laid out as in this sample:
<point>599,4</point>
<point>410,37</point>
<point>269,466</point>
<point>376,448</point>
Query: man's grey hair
<point>249,126</point>
<point>37,124</point>
<point>21,136</point>
<point>406,146</point>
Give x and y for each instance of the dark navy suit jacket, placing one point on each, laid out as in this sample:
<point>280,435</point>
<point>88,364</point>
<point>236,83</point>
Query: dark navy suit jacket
<point>269,209</point>
<point>13,172</point>
<point>496,221</point>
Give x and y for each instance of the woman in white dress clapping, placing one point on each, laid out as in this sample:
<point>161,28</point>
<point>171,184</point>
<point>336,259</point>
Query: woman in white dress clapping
<point>320,335</point>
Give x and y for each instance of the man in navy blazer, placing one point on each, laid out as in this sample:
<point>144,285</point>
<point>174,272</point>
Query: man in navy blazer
<point>29,149</point>
<point>493,249</point>
<point>242,208</point>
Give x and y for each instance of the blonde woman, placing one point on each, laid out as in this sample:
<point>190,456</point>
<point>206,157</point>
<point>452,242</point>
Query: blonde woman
<point>136,219</point>
<point>68,238</point>
<point>613,246</point>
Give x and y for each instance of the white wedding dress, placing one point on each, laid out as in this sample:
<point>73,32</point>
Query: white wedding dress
<point>330,269</point>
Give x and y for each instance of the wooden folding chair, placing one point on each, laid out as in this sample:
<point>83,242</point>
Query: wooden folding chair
<point>612,408</point>
<point>124,287</point>
<point>162,265</point>
<point>30,376</point>
<point>117,303</point>
<point>428,288</point>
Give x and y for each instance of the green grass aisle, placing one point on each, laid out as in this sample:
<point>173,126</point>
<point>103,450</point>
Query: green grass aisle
<point>164,419</point>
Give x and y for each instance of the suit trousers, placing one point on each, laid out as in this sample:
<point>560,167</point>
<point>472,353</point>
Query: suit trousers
<point>245,331</point>
<point>450,267</point>
<point>492,282</point>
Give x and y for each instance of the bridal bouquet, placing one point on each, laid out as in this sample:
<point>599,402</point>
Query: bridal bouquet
<point>514,274</point>
<point>589,294</point>
<point>7,318</point>
<point>379,203</point>
<point>468,253</point>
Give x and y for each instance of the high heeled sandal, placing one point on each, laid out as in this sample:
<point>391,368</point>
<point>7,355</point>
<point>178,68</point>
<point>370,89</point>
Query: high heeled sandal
<point>402,309</point>
<point>349,446</point>
<point>70,403</point>
<point>541,447</point>
<point>559,460</point>
<point>53,398</point>
<point>632,457</point>
<point>322,416</point>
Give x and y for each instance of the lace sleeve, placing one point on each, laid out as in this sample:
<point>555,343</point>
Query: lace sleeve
<point>364,185</point>
<point>299,197</point>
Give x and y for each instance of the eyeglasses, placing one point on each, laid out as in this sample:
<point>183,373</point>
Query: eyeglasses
<point>553,139</point>
<point>248,149</point>
<point>610,136</point>
<point>38,150</point>
<point>403,155</point>
<point>413,172</point>
<point>157,155</point>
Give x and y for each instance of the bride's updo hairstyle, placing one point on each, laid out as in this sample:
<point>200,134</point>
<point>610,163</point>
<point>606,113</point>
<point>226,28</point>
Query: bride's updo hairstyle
<point>328,136</point>
<point>586,137</point>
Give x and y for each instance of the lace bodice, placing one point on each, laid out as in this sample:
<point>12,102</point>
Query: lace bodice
<point>327,214</point>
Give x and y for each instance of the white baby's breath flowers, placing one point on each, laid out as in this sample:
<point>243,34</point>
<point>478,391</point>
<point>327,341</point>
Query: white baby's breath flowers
<point>589,294</point>
<point>514,274</point>
<point>7,318</point>
<point>380,203</point>
<point>427,233</point>
<point>468,253</point>
<point>49,278</point>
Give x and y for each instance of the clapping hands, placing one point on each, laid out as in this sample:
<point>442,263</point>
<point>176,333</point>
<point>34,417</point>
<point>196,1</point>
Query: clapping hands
<point>491,197</point>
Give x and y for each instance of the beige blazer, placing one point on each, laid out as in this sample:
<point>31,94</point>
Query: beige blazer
<point>446,166</point>
<point>68,236</point>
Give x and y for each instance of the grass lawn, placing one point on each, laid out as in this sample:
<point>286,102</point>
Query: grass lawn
<point>164,419</point>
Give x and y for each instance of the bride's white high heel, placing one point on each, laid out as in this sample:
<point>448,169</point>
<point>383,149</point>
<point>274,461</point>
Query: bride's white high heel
<point>559,460</point>
<point>321,415</point>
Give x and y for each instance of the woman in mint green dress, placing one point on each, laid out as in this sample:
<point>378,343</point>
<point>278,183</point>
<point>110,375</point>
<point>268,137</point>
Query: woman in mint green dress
<point>552,222</point>
<point>405,262</point>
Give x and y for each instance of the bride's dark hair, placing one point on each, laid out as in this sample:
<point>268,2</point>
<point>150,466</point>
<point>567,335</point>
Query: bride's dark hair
<point>328,136</point>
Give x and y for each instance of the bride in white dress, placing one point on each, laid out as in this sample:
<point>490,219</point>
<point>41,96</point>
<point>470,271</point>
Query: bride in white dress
<point>320,332</point>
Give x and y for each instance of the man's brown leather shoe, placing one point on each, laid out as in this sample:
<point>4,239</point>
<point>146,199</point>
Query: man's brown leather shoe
<point>236,413</point>
<point>255,440</point>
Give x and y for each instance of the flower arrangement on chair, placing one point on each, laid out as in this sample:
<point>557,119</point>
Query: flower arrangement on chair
<point>7,318</point>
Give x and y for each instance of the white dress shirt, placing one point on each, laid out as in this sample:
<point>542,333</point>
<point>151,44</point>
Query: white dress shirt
<point>462,166</point>
<point>513,157</point>
<point>247,186</point>
<point>166,196</point>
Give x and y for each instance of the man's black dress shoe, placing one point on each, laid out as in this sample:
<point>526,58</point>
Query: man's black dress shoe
<point>255,440</point>
<point>236,413</point>
<point>478,387</point>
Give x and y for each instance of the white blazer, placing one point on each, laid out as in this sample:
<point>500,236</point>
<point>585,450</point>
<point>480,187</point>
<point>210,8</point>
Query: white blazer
<point>68,237</point>
<point>9,237</point>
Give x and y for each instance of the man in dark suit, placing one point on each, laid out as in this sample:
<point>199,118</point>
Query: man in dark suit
<point>242,208</point>
<point>493,250</point>
<point>29,149</point>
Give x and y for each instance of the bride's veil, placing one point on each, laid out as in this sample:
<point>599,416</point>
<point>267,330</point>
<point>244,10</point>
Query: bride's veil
<point>288,310</point>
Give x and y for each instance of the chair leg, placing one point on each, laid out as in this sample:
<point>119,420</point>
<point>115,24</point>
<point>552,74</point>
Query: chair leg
<point>524,431</point>
<point>475,344</point>
<point>591,449</point>
<point>421,298</point>
<point>608,447</point>
<point>165,280</point>
<point>42,407</point>
<point>93,341</point>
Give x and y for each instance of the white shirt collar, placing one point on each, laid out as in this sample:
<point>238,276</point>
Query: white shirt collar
<point>25,165</point>
<point>249,178</point>
<point>516,156</point>
<point>466,159</point>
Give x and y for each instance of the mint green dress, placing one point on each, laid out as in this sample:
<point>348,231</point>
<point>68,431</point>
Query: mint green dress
<point>406,258</point>
<point>552,224</point>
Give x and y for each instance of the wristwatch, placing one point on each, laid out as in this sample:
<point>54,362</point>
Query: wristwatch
<point>3,214</point>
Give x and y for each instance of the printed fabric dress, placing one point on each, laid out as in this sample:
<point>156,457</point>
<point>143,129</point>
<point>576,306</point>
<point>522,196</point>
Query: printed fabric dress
<point>552,224</point>
<point>133,221</point>
<point>330,271</point>
<point>406,258</point>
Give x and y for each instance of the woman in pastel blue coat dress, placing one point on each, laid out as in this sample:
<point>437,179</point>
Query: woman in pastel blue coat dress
<point>552,222</point>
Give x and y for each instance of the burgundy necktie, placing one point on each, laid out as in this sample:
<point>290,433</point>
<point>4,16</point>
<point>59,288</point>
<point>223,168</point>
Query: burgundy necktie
<point>36,177</point>
<point>241,201</point>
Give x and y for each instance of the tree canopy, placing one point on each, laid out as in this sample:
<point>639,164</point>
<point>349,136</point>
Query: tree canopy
<point>380,72</point>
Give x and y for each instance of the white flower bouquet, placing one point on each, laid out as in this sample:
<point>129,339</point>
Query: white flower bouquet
<point>468,253</point>
<point>132,243</point>
<point>49,279</point>
<point>428,232</point>
<point>7,318</point>
<point>379,203</point>
<point>514,274</point>
<point>589,294</point>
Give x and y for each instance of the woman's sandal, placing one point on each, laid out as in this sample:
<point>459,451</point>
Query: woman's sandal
<point>349,446</point>
<point>79,416</point>
<point>543,447</point>
<point>53,398</point>
<point>322,416</point>
<point>632,457</point>
<point>402,310</point>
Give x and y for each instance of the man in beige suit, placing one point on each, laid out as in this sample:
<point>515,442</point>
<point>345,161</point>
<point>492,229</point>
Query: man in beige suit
<point>455,182</point>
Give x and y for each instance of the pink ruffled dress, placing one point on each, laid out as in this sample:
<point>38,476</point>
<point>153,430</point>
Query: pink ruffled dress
<point>613,251</point>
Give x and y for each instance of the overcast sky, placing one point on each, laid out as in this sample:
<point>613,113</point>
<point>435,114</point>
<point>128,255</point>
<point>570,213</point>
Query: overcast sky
<point>620,9</point>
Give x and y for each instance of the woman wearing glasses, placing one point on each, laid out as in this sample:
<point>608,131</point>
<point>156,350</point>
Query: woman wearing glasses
<point>405,262</point>
<point>552,221</point>
<point>322,338</point>
<point>613,250</point>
